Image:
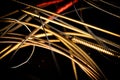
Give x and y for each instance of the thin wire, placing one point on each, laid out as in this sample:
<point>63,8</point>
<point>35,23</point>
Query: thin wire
<point>21,42</point>
<point>110,4</point>
<point>12,24</point>
<point>31,54</point>
<point>101,9</point>
<point>33,49</point>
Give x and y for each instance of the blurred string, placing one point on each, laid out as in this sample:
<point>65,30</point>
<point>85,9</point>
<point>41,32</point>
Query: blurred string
<point>49,43</point>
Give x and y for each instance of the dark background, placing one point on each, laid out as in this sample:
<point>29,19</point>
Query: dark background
<point>42,67</point>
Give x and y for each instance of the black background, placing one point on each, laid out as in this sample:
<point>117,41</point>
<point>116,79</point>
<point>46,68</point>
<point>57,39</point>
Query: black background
<point>42,67</point>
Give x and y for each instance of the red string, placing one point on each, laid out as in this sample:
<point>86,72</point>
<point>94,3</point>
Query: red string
<point>49,3</point>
